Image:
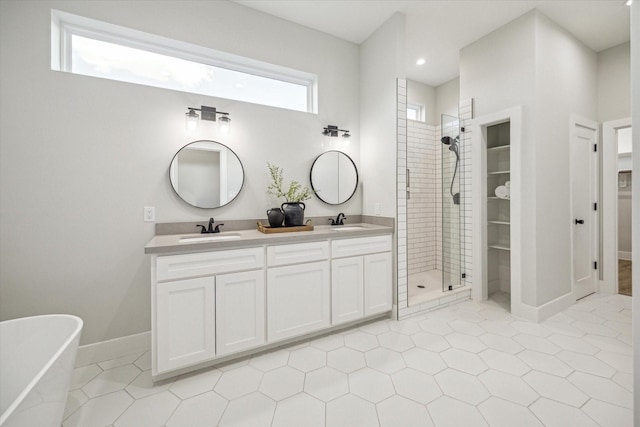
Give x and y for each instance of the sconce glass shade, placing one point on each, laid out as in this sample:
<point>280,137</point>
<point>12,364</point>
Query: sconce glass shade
<point>224,123</point>
<point>345,139</point>
<point>191,120</point>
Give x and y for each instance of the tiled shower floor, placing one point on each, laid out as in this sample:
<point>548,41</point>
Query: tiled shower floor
<point>470,364</point>
<point>427,286</point>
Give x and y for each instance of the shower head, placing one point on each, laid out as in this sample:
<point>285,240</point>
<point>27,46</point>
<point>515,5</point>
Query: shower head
<point>452,143</point>
<point>447,140</point>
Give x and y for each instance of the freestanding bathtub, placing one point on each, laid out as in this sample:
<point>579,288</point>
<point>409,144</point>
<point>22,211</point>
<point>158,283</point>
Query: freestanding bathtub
<point>37,356</point>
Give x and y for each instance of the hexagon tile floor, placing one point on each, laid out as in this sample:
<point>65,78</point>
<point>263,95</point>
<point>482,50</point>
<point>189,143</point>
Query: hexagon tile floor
<point>469,364</point>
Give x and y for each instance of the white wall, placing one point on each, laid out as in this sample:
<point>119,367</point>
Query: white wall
<point>422,94</point>
<point>614,92</point>
<point>447,99</point>
<point>635,105</point>
<point>498,72</point>
<point>565,84</point>
<point>443,99</point>
<point>529,62</point>
<point>381,63</point>
<point>81,156</point>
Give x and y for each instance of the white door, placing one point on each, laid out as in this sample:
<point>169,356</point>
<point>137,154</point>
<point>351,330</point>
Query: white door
<point>378,285</point>
<point>584,195</point>
<point>240,318</point>
<point>298,300</point>
<point>186,322</point>
<point>347,285</point>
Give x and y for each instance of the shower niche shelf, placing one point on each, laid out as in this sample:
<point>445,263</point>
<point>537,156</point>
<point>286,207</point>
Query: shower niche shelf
<point>499,246</point>
<point>498,220</point>
<point>498,148</point>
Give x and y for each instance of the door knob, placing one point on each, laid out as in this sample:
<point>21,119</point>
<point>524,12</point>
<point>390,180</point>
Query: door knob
<point>579,221</point>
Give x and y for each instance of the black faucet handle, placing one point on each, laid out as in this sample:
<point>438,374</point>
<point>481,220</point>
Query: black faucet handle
<point>333,221</point>
<point>217,230</point>
<point>204,229</point>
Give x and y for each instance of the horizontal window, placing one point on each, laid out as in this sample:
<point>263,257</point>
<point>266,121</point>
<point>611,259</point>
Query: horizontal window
<point>93,48</point>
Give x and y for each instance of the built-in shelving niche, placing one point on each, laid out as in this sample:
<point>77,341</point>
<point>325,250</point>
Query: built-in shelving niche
<point>498,209</point>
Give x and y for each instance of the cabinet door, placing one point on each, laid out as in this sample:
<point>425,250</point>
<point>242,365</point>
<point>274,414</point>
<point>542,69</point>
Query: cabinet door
<point>298,300</point>
<point>185,316</point>
<point>377,283</point>
<point>239,311</point>
<point>347,285</point>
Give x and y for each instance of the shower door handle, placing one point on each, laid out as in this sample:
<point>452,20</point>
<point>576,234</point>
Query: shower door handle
<point>579,221</point>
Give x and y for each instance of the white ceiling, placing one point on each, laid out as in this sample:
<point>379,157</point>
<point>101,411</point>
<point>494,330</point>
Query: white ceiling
<point>437,30</point>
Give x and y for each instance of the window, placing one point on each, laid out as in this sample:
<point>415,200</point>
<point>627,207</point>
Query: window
<point>415,112</point>
<point>88,47</point>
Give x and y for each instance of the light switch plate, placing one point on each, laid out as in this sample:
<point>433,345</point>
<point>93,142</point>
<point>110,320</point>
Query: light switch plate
<point>149,214</point>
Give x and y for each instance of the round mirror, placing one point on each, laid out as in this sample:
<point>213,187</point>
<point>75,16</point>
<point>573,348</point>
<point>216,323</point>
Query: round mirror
<point>334,177</point>
<point>206,174</point>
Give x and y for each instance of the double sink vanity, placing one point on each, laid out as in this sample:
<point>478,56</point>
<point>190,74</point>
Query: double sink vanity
<point>216,297</point>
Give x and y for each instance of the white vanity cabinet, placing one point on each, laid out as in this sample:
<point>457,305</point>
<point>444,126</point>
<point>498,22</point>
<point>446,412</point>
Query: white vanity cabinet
<point>185,322</point>
<point>205,306</point>
<point>239,311</point>
<point>298,295</point>
<point>378,295</point>
<point>360,278</point>
<point>215,304</point>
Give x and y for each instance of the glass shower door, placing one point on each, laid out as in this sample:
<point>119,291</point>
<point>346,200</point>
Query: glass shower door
<point>452,218</point>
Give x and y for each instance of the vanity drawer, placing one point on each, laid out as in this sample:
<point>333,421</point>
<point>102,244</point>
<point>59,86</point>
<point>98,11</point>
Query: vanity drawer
<point>172,267</point>
<point>297,253</point>
<point>360,246</point>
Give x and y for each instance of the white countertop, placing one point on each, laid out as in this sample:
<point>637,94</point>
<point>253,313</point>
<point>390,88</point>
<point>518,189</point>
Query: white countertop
<point>171,244</point>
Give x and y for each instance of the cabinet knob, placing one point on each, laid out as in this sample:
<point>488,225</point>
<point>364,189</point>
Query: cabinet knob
<point>579,221</point>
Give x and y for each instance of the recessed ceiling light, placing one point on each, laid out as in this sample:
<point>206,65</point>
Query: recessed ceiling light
<point>239,85</point>
<point>421,61</point>
<point>629,2</point>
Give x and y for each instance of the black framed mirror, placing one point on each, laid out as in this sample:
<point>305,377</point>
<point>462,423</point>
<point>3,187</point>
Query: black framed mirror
<point>334,177</point>
<point>206,174</point>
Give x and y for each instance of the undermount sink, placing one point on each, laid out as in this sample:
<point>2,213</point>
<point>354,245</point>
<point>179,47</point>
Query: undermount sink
<point>209,238</point>
<point>349,228</point>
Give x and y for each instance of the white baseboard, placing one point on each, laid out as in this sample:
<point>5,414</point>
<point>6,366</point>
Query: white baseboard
<point>555,306</point>
<point>111,349</point>
<point>546,310</point>
<point>605,287</point>
<point>624,255</point>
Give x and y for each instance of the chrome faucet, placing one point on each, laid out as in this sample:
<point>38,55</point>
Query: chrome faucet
<point>210,229</point>
<point>339,220</point>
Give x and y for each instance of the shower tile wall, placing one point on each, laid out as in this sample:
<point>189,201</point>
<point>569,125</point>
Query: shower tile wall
<point>466,114</point>
<point>401,214</point>
<point>423,205</point>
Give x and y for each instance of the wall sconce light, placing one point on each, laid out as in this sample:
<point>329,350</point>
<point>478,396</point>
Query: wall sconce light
<point>332,131</point>
<point>210,114</point>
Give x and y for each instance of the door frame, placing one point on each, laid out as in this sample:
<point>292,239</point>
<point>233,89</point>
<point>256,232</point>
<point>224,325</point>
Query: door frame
<point>608,282</point>
<point>588,124</point>
<point>477,127</point>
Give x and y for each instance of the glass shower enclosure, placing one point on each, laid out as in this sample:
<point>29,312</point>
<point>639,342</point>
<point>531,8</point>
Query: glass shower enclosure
<point>452,202</point>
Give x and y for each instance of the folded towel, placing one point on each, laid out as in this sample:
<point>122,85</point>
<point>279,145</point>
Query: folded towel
<point>502,192</point>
